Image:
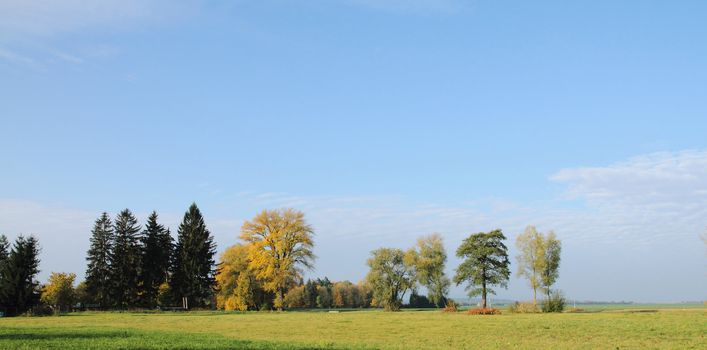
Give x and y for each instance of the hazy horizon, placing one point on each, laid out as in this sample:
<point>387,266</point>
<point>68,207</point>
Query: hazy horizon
<point>381,120</point>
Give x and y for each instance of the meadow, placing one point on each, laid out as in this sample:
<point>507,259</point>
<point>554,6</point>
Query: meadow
<point>370,329</point>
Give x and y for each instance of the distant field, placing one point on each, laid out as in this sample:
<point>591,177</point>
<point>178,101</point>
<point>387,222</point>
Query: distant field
<point>630,329</point>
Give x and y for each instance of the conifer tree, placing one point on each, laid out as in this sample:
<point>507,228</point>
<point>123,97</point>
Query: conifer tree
<point>4,246</point>
<point>125,260</point>
<point>19,290</point>
<point>98,272</point>
<point>194,264</point>
<point>4,253</point>
<point>485,264</point>
<point>156,256</point>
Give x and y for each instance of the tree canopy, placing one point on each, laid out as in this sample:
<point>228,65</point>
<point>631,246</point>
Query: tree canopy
<point>485,264</point>
<point>98,270</point>
<point>389,277</point>
<point>19,289</point>
<point>429,259</point>
<point>194,264</point>
<point>280,245</point>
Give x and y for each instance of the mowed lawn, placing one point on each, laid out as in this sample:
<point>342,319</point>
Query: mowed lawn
<point>631,329</point>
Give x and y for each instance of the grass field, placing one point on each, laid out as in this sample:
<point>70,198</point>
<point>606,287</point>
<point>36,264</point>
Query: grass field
<point>616,329</point>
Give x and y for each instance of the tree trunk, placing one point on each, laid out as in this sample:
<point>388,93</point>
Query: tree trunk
<point>483,295</point>
<point>281,299</point>
<point>535,297</point>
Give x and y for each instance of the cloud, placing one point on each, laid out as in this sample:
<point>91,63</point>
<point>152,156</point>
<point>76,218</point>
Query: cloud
<point>654,196</point>
<point>644,180</point>
<point>31,28</point>
<point>51,18</point>
<point>638,217</point>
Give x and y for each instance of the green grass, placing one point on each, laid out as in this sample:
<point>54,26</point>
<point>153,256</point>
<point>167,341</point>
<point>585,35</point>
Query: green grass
<point>664,329</point>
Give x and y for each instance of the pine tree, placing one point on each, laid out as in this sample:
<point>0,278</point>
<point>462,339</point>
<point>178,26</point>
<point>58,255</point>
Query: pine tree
<point>4,246</point>
<point>194,264</point>
<point>156,256</point>
<point>98,272</point>
<point>125,260</point>
<point>4,254</point>
<point>19,290</point>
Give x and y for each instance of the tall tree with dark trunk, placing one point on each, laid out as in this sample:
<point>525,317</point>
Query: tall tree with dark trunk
<point>19,289</point>
<point>98,272</point>
<point>486,264</point>
<point>125,260</point>
<point>156,257</point>
<point>194,264</point>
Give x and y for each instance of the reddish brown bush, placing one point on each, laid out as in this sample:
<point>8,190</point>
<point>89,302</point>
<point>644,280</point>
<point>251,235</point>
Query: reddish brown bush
<point>482,311</point>
<point>450,307</point>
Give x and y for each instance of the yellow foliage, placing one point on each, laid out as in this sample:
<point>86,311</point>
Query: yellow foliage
<point>233,279</point>
<point>279,244</point>
<point>59,291</point>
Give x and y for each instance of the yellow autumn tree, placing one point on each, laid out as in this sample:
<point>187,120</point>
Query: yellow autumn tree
<point>235,288</point>
<point>59,293</point>
<point>280,244</point>
<point>531,258</point>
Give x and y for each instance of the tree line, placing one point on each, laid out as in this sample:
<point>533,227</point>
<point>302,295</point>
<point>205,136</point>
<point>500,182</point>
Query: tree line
<point>19,266</point>
<point>134,266</point>
<point>265,270</point>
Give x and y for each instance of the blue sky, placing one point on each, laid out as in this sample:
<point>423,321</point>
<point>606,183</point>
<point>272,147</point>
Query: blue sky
<point>382,120</point>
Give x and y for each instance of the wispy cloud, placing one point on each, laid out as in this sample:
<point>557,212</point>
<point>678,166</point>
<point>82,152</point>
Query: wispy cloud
<point>649,208</point>
<point>651,196</point>
<point>22,18</point>
<point>30,28</point>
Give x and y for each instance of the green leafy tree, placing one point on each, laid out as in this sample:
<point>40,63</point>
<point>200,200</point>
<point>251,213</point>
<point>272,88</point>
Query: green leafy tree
<point>295,298</point>
<point>389,277</point>
<point>125,260</point>
<point>19,289</point>
<point>98,272</point>
<point>59,291</point>
<point>194,264</point>
<point>324,299</point>
<point>429,259</point>
<point>485,264</point>
<point>310,293</point>
<point>531,258</point>
<point>81,294</point>
<point>552,248</point>
<point>156,259</point>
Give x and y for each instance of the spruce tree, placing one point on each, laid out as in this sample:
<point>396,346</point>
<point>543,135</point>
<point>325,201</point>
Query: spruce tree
<point>98,272</point>
<point>4,246</point>
<point>19,290</point>
<point>156,257</point>
<point>125,260</point>
<point>194,264</point>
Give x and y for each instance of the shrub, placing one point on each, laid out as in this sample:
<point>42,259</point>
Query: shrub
<point>554,303</point>
<point>450,307</point>
<point>484,311</point>
<point>419,301</point>
<point>522,308</point>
